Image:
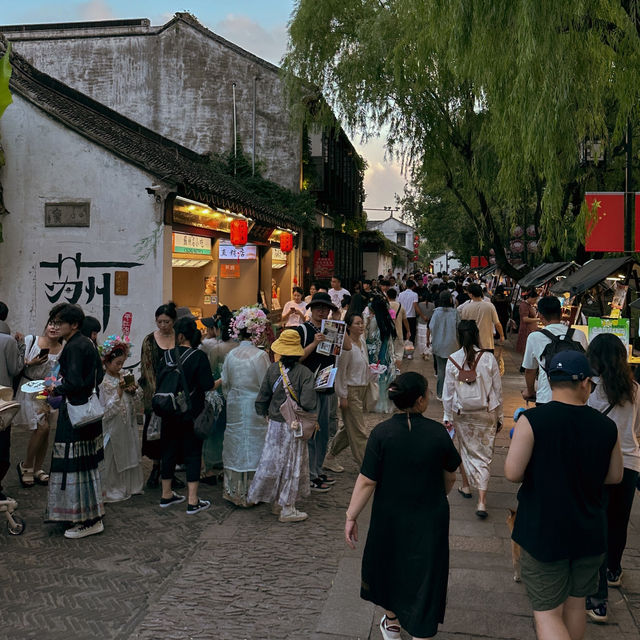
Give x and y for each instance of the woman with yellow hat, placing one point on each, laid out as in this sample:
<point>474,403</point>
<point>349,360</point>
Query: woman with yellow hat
<point>282,477</point>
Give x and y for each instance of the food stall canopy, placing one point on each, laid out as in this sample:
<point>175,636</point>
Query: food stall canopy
<point>483,273</point>
<point>545,272</point>
<point>589,275</point>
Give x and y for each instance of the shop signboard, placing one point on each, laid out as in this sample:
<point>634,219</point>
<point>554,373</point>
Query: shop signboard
<point>323,264</point>
<point>184,243</point>
<point>228,252</point>
<point>230,270</point>
<point>617,326</point>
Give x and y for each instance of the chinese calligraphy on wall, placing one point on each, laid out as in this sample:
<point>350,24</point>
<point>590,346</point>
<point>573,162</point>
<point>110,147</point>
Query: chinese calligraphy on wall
<point>83,282</point>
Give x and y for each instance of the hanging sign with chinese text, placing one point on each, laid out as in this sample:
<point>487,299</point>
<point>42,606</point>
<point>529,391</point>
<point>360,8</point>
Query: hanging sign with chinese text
<point>229,252</point>
<point>230,270</point>
<point>184,243</point>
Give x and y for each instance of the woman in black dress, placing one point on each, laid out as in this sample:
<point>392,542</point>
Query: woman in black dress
<point>151,357</point>
<point>409,466</point>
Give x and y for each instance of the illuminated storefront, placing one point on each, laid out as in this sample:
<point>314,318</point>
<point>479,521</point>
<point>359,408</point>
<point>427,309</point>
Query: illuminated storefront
<point>208,270</point>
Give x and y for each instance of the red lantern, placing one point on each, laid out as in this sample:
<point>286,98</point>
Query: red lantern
<point>286,242</point>
<point>239,231</point>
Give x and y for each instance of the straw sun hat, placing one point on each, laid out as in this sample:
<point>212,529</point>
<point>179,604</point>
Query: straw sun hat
<point>288,344</point>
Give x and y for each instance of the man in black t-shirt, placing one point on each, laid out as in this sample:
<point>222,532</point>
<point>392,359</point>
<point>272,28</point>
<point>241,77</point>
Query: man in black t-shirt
<point>563,452</point>
<point>310,337</point>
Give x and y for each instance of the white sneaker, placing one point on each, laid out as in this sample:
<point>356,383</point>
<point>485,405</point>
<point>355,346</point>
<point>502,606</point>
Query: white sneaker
<point>82,530</point>
<point>292,515</point>
<point>332,464</point>
<point>390,631</point>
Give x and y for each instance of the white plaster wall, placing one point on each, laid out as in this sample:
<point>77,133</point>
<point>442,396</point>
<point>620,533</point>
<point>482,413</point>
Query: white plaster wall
<point>376,264</point>
<point>179,83</point>
<point>391,227</point>
<point>46,162</point>
<point>440,264</point>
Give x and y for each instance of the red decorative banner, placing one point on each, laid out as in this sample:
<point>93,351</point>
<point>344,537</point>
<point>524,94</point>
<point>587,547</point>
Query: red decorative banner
<point>126,323</point>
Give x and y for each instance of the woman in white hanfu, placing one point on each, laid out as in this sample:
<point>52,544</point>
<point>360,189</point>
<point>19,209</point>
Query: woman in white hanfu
<point>242,374</point>
<point>122,474</point>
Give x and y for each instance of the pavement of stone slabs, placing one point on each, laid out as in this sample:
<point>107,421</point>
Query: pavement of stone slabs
<point>229,573</point>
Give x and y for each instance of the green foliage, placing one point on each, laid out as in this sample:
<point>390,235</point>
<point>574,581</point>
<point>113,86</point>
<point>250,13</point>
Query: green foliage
<point>485,102</point>
<point>5,75</point>
<point>299,206</point>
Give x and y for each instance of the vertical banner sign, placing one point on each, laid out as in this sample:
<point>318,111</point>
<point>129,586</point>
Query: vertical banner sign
<point>323,264</point>
<point>606,233</point>
<point>474,262</point>
<point>126,323</point>
<point>483,262</point>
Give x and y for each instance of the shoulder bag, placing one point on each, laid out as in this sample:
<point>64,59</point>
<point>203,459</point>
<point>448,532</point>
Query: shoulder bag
<point>88,412</point>
<point>304,422</point>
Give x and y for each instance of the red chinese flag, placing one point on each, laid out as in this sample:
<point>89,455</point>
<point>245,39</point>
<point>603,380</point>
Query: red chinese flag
<point>474,262</point>
<point>483,262</point>
<point>607,232</point>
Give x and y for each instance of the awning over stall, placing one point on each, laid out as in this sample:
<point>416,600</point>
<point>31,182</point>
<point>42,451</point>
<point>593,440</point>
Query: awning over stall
<point>590,275</point>
<point>545,272</point>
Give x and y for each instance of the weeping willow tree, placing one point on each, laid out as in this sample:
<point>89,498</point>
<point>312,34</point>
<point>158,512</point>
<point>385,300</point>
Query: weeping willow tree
<point>5,101</point>
<point>484,102</point>
<point>552,75</point>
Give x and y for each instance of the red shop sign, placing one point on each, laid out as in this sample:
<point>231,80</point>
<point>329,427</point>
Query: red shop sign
<point>323,264</point>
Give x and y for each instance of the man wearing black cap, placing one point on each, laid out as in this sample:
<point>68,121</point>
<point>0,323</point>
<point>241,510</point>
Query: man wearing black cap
<point>563,452</point>
<point>310,337</point>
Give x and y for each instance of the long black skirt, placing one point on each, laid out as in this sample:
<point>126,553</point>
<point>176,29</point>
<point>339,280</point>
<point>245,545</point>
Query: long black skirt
<point>75,490</point>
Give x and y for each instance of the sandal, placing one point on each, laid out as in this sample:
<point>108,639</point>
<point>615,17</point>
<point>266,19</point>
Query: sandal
<point>210,480</point>
<point>41,478</point>
<point>25,476</point>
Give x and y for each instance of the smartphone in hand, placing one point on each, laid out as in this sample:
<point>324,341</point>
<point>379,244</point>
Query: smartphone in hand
<point>43,353</point>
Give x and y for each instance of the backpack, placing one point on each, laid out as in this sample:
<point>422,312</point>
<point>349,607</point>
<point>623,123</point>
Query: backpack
<point>170,398</point>
<point>470,389</point>
<point>558,344</point>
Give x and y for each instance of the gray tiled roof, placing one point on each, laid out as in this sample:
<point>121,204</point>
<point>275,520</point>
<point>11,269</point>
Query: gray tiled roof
<point>168,161</point>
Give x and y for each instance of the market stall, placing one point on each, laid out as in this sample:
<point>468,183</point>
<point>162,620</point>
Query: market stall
<point>596,297</point>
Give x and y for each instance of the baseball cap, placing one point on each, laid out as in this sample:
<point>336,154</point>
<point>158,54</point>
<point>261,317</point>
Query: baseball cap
<point>569,366</point>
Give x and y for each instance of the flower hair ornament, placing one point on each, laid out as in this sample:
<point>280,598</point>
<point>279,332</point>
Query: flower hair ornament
<point>112,343</point>
<point>252,319</point>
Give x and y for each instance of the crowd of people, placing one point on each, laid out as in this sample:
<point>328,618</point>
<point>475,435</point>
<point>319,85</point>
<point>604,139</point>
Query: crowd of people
<point>273,433</point>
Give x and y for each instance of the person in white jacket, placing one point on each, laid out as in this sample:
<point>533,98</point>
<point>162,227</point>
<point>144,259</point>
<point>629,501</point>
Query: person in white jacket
<point>474,407</point>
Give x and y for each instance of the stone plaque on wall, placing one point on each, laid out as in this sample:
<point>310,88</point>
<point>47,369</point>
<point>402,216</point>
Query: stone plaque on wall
<point>66,214</point>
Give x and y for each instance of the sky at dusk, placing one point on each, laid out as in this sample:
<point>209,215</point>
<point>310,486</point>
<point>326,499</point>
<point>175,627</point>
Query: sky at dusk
<point>260,26</point>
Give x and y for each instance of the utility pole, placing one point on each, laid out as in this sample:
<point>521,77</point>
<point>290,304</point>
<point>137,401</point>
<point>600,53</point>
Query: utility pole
<point>628,189</point>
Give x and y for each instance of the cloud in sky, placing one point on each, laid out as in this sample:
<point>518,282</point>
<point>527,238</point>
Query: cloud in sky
<point>383,178</point>
<point>95,10</point>
<point>269,44</point>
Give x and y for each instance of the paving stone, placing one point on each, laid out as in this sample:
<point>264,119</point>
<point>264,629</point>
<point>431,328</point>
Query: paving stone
<point>236,574</point>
